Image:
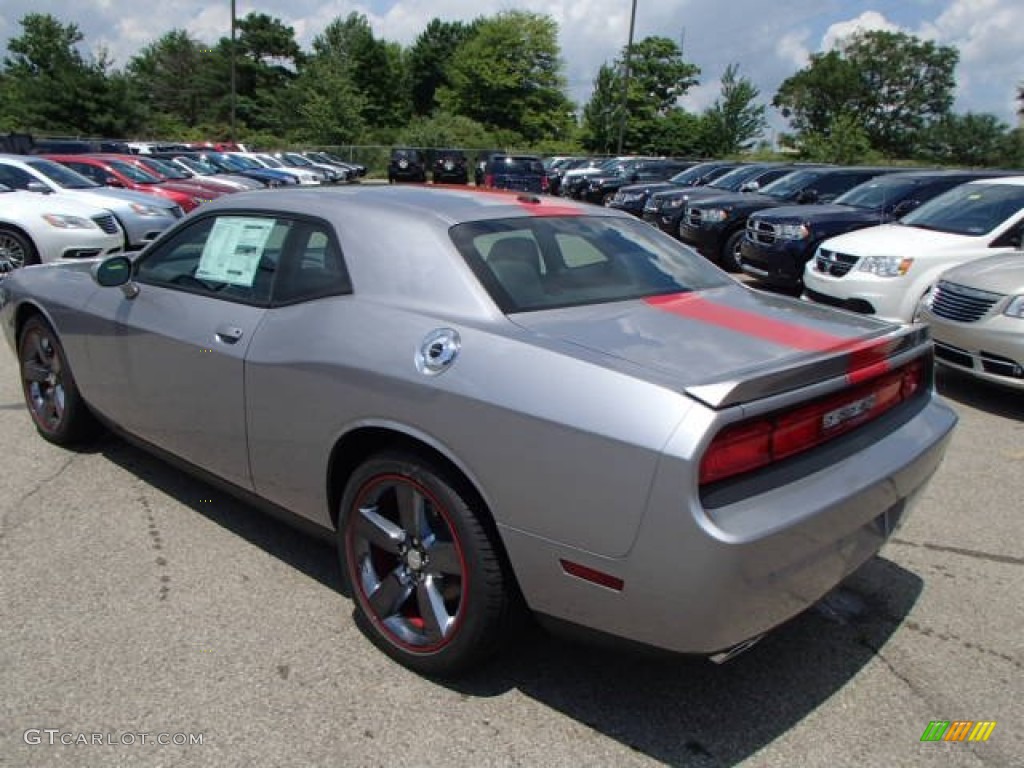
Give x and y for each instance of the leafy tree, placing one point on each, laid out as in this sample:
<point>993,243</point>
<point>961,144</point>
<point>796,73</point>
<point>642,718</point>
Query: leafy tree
<point>330,108</point>
<point>167,73</point>
<point>734,120</point>
<point>893,84</point>
<point>507,75</point>
<point>845,142</point>
<point>267,58</point>
<point>970,139</point>
<point>48,85</point>
<point>659,77</point>
<point>428,59</point>
<point>446,130</point>
<point>375,69</point>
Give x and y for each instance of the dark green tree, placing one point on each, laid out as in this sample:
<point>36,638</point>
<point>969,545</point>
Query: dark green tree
<point>734,120</point>
<point>428,58</point>
<point>659,77</point>
<point>49,85</point>
<point>508,76</point>
<point>971,140</point>
<point>895,85</point>
<point>167,76</point>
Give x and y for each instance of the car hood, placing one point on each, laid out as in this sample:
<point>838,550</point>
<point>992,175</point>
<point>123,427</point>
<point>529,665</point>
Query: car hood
<point>103,195</point>
<point>817,214</point>
<point>899,240</point>
<point>997,274</point>
<point>741,201</point>
<point>725,345</point>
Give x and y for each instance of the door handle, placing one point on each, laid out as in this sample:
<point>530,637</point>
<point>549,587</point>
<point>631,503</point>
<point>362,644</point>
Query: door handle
<point>229,334</point>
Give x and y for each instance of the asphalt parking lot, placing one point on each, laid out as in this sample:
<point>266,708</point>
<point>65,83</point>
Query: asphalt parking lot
<point>138,605</point>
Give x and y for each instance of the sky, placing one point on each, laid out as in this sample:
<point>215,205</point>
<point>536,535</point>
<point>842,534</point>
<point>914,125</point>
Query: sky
<point>768,39</point>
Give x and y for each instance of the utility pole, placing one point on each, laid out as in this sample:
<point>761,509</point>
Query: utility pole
<point>625,78</point>
<point>234,85</point>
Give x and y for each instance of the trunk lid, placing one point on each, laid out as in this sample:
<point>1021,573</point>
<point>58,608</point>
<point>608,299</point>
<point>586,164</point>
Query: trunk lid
<point>729,345</point>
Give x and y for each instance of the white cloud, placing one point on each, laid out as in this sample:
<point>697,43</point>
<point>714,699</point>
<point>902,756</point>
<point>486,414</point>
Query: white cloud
<point>868,21</point>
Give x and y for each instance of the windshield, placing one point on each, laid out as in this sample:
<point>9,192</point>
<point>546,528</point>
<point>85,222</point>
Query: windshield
<point>970,209</point>
<point>737,177</point>
<point>133,172</point>
<point>691,176</point>
<point>878,194</point>
<point>61,175</point>
<point>295,159</point>
<point>201,167</point>
<point>543,262</point>
<point>164,168</point>
<point>791,185</point>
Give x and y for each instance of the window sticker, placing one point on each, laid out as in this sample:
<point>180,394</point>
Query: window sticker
<point>233,250</point>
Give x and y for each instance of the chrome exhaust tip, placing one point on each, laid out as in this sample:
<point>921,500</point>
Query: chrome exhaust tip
<point>730,653</point>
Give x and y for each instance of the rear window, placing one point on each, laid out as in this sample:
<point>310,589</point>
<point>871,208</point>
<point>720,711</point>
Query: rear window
<point>516,165</point>
<point>537,263</point>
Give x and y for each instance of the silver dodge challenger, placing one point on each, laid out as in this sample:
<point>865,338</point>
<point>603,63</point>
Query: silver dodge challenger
<point>497,403</point>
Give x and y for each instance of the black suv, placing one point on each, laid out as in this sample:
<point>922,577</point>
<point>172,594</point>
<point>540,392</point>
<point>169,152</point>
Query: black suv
<point>716,226</point>
<point>406,165</point>
<point>450,167</point>
<point>665,209</point>
<point>523,172</point>
<point>780,241</point>
<point>601,189</point>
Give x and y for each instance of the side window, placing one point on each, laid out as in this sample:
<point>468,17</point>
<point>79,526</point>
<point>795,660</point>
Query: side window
<point>230,257</point>
<point>313,267</point>
<point>15,178</point>
<point>833,185</point>
<point>89,171</point>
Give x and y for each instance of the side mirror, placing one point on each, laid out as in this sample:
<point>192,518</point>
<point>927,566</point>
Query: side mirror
<point>112,271</point>
<point>39,187</point>
<point>750,186</point>
<point>807,197</point>
<point>111,181</point>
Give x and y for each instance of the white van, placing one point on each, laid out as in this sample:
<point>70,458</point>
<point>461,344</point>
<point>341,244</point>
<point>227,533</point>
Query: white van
<point>886,270</point>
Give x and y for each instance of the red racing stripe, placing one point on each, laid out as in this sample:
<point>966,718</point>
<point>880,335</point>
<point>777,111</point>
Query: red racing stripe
<point>867,358</point>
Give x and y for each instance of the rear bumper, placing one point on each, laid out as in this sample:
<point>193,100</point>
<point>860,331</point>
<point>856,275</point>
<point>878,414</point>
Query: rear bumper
<point>780,265</point>
<point>699,581</point>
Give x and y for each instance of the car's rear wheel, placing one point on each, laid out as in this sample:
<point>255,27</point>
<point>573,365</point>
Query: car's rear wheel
<point>731,252</point>
<point>57,409</point>
<point>16,250</point>
<point>428,581</point>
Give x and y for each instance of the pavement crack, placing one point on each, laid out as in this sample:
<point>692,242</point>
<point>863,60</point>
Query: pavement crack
<point>973,553</point>
<point>9,521</point>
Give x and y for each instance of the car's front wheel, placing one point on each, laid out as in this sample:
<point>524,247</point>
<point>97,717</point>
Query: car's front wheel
<point>427,578</point>
<point>51,394</point>
<point>16,250</point>
<point>731,255</point>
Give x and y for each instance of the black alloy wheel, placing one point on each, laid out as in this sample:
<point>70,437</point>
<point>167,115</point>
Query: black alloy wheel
<point>429,585</point>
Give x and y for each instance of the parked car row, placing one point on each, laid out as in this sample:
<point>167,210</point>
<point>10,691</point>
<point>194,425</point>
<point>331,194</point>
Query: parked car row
<point>872,240</point>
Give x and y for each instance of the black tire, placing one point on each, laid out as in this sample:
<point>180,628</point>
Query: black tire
<point>57,409</point>
<point>16,250</point>
<point>730,260</point>
<point>428,582</point>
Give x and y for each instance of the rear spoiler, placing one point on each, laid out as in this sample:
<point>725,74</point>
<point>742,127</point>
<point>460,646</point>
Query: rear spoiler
<point>856,360</point>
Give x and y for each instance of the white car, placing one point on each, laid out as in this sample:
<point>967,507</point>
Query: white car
<point>37,229</point>
<point>887,270</point>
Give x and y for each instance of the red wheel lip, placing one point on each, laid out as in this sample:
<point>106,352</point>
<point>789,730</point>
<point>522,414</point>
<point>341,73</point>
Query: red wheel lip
<point>357,587</point>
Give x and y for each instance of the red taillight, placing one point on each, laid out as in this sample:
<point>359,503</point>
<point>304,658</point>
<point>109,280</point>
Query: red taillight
<point>489,180</point>
<point>751,445</point>
<point>544,184</point>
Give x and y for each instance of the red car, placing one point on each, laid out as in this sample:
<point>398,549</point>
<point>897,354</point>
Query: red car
<point>167,171</point>
<point>114,171</point>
